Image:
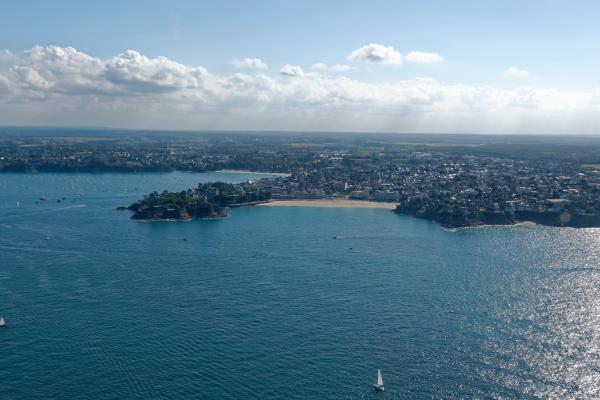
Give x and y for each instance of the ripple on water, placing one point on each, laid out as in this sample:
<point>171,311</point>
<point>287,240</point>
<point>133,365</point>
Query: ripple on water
<point>285,302</point>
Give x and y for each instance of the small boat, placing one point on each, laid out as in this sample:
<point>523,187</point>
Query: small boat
<point>2,323</point>
<point>379,384</point>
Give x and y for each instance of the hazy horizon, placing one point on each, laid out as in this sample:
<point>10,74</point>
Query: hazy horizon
<point>3,129</point>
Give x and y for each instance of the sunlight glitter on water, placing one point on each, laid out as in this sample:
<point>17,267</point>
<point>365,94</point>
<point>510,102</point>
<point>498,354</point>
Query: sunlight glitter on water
<point>275,296</point>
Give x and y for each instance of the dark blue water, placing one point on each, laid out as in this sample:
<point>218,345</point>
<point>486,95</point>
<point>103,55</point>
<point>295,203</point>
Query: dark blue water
<point>294,303</point>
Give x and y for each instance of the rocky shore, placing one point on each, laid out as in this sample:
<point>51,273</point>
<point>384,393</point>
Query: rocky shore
<point>457,220</point>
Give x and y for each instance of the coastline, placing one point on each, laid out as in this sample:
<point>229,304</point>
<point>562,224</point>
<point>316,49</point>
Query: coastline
<point>245,171</point>
<point>520,224</point>
<point>527,219</point>
<point>177,219</point>
<point>330,203</point>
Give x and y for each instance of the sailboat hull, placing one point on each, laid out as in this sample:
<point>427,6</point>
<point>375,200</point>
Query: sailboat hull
<point>378,387</point>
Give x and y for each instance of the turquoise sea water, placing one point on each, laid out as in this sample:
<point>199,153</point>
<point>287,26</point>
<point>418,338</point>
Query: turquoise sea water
<point>283,303</point>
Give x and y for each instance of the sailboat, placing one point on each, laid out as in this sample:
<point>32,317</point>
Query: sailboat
<point>2,323</point>
<point>379,384</point>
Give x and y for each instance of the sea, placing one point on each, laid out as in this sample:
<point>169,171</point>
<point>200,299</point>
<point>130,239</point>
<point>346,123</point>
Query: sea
<point>283,302</point>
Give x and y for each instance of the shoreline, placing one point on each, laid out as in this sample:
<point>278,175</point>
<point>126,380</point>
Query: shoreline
<point>330,203</point>
<point>245,171</point>
<point>177,219</point>
<point>520,224</point>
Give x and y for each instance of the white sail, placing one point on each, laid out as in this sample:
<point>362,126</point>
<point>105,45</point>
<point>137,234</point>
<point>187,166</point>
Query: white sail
<point>379,378</point>
<point>2,323</point>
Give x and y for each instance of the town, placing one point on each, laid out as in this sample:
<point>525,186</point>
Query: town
<point>455,190</point>
<point>455,180</point>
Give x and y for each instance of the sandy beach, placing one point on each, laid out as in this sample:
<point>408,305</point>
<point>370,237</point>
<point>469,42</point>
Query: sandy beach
<point>331,203</point>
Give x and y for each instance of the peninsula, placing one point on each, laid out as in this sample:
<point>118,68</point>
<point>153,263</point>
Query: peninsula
<point>208,200</point>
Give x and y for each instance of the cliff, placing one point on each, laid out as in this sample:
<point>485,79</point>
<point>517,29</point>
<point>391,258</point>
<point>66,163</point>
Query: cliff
<point>457,219</point>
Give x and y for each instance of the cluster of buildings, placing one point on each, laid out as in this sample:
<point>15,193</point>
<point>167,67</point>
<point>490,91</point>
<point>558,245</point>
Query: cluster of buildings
<point>459,181</point>
<point>440,182</point>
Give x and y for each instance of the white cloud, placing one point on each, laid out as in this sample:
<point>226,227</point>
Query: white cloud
<point>142,74</point>
<point>421,57</point>
<point>6,55</point>
<point>376,53</point>
<point>66,70</point>
<point>516,72</point>
<point>250,63</point>
<point>63,86</point>
<point>291,70</point>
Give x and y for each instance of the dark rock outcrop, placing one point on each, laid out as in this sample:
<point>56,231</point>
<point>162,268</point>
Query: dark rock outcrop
<point>456,219</point>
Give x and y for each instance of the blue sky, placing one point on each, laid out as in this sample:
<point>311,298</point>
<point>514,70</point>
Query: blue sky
<point>543,48</point>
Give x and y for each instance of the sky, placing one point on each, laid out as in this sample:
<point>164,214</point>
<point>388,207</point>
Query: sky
<point>516,67</point>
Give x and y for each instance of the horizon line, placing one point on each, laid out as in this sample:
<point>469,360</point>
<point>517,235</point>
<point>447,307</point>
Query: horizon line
<point>282,131</point>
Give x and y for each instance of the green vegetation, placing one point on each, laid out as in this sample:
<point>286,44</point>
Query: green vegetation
<point>208,200</point>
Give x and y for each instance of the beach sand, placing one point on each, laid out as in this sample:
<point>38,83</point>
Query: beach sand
<point>331,203</point>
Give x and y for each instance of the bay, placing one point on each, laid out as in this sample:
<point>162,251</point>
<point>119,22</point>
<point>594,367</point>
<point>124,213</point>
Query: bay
<point>278,302</point>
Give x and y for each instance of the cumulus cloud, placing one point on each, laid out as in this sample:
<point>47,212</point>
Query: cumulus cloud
<point>516,72</point>
<point>249,63</point>
<point>142,74</point>
<point>291,70</point>
<point>421,57</point>
<point>376,53</point>
<point>61,85</point>
<point>51,70</point>
<point>68,71</point>
<point>6,55</point>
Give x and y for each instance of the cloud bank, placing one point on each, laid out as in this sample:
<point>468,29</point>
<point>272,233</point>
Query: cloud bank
<point>63,86</point>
